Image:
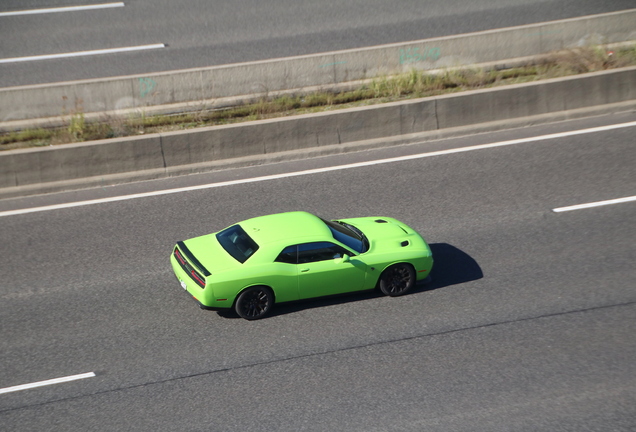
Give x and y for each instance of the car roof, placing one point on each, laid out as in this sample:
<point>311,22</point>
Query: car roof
<point>290,228</point>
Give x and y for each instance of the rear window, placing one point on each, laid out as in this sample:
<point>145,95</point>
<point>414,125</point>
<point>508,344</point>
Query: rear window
<point>237,243</point>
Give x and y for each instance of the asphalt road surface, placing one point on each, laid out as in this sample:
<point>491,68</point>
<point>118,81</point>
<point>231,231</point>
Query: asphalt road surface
<point>528,325</point>
<point>169,35</point>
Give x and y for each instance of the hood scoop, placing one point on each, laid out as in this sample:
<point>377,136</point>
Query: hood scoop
<point>380,221</point>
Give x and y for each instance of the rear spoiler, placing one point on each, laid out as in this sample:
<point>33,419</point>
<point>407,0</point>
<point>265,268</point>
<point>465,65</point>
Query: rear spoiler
<point>183,248</point>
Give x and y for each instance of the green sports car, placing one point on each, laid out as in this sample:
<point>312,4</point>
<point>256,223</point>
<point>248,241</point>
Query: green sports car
<point>294,256</point>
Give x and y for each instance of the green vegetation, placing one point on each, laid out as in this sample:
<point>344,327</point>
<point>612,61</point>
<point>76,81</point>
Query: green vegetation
<point>414,84</point>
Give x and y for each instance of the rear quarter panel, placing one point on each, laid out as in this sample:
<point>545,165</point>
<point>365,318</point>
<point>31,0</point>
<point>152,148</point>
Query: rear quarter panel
<point>282,278</point>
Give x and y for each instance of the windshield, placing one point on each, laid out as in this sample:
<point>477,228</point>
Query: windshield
<point>348,235</point>
<point>237,243</point>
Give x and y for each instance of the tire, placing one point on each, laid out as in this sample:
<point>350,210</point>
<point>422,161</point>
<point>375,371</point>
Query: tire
<point>254,302</point>
<point>397,279</point>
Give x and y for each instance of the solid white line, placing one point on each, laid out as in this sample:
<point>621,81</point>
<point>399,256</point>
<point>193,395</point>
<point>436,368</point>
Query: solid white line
<point>62,9</point>
<point>47,382</point>
<point>594,204</point>
<point>317,170</point>
<point>82,53</point>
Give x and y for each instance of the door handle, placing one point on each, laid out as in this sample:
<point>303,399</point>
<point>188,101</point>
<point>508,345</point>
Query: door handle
<point>304,270</point>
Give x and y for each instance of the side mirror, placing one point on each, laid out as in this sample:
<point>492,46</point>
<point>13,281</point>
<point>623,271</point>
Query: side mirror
<point>345,258</point>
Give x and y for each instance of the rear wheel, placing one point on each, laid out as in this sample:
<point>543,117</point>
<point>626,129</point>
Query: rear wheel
<point>397,279</point>
<point>254,303</point>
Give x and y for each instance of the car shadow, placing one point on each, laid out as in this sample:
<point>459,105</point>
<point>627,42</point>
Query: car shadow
<point>452,266</point>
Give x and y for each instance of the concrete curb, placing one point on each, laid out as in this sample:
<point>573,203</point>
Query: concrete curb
<point>74,166</point>
<point>257,79</point>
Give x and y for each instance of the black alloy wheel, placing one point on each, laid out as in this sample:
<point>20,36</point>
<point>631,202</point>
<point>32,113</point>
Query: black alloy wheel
<point>254,303</point>
<point>397,279</point>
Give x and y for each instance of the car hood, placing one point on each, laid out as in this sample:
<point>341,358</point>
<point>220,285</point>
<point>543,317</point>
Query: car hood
<point>386,232</point>
<point>209,252</point>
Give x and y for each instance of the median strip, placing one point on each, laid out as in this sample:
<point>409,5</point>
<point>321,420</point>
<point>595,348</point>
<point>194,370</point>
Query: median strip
<point>77,125</point>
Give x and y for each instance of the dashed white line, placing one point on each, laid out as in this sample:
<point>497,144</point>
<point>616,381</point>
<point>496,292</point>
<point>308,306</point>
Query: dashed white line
<point>47,382</point>
<point>82,53</point>
<point>62,9</point>
<point>316,170</point>
<point>594,204</point>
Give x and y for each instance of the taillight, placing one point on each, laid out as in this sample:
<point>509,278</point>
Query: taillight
<point>179,257</point>
<point>189,269</point>
<point>197,278</point>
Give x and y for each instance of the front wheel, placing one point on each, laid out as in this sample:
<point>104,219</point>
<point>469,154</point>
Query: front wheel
<point>397,279</point>
<point>254,303</point>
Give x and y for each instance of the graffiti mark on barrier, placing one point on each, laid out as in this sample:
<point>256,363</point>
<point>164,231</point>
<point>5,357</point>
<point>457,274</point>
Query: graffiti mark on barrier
<point>332,64</point>
<point>545,33</point>
<point>146,85</point>
<point>413,55</point>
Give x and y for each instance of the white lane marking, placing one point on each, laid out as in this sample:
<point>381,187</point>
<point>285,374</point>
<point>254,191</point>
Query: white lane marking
<point>317,170</point>
<point>594,204</point>
<point>62,9</point>
<point>82,53</point>
<point>47,382</point>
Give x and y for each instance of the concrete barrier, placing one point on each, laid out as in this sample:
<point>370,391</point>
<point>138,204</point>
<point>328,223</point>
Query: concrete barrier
<point>160,155</point>
<point>327,69</point>
<point>75,161</point>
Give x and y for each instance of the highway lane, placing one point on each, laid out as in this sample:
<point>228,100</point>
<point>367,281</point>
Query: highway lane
<point>528,324</point>
<point>203,33</point>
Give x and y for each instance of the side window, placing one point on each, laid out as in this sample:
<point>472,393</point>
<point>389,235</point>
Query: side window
<point>288,255</point>
<point>319,251</point>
